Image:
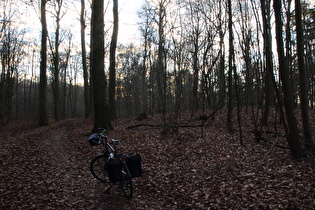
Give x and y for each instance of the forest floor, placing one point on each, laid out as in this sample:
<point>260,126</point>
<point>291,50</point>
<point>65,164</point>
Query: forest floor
<point>195,168</point>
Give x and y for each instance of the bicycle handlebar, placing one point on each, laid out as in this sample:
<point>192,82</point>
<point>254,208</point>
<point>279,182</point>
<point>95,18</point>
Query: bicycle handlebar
<point>101,130</point>
<point>116,141</point>
<point>102,135</point>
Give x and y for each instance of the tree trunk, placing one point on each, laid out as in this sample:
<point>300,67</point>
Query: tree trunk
<point>65,65</point>
<point>101,108</point>
<point>194,105</point>
<point>144,76</point>
<point>43,120</point>
<point>84,66</point>
<point>112,63</point>
<point>147,16</point>
<point>221,74</point>
<point>56,88</point>
<point>303,81</point>
<point>265,9</point>
<point>292,135</point>
<point>230,81</point>
<point>161,72</point>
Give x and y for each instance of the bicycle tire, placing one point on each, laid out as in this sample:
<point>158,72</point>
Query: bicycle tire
<point>126,182</point>
<point>98,170</point>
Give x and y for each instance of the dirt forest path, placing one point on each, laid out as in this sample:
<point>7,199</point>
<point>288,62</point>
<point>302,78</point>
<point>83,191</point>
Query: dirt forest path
<point>48,168</point>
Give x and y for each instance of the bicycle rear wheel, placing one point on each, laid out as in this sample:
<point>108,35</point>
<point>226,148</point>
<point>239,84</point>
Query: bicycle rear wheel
<point>126,182</point>
<point>98,170</point>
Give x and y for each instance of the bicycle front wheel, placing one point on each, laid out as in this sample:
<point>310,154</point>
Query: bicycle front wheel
<point>99,172</point>
<point>126,181</point>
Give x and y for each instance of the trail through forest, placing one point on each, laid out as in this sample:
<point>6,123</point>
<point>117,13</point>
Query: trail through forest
<point>48,168</point>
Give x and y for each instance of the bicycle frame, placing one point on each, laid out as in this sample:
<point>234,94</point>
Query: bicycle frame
<point>108,153</point>
<point>108,148</point>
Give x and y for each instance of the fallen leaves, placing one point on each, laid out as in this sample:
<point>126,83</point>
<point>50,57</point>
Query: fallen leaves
<point>48,168</point>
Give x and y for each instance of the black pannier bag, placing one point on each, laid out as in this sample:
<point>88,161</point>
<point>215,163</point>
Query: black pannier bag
<point>114,168</point>
<point>134,165</point>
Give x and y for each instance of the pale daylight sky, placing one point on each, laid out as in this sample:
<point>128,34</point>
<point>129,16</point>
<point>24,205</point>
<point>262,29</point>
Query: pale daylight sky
<point>128,27</point>
<point>128,20</point>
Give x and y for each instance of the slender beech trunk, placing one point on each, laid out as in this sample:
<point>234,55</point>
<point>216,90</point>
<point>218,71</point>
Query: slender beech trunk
<point>230,72</point>
<point>303,81</point>
<point>84,66</point>
<point>112,63</point>
<point>265,10</point>
<point>292,134</point>
<point>161,72</point>
<point>56,82</point>
<point>43,120</point>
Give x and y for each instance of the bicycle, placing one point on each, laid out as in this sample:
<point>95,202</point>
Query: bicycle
<point>110,167</point>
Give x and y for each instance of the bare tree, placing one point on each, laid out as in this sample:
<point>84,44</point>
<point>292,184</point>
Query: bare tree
<point>146,14</point>
<point>266,17</point>
<point>112,63</point>
<point>57,4</point>
<point>63,66</point>
<point>43,120</point>
<point>197,41</point>
<point>84,65</point>
<point>221,68</point>
<point>309,35</point>
<point>161,66</point>
<point>292,134</point>
<point>177,55</point>
<point>12,45</point>
<point>245,42</point>
<point>101,108</point>
<point>303,84</point>
<point>230,71</point>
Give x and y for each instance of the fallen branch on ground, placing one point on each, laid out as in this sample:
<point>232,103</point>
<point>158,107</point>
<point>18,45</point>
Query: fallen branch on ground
<point>168,126</point>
